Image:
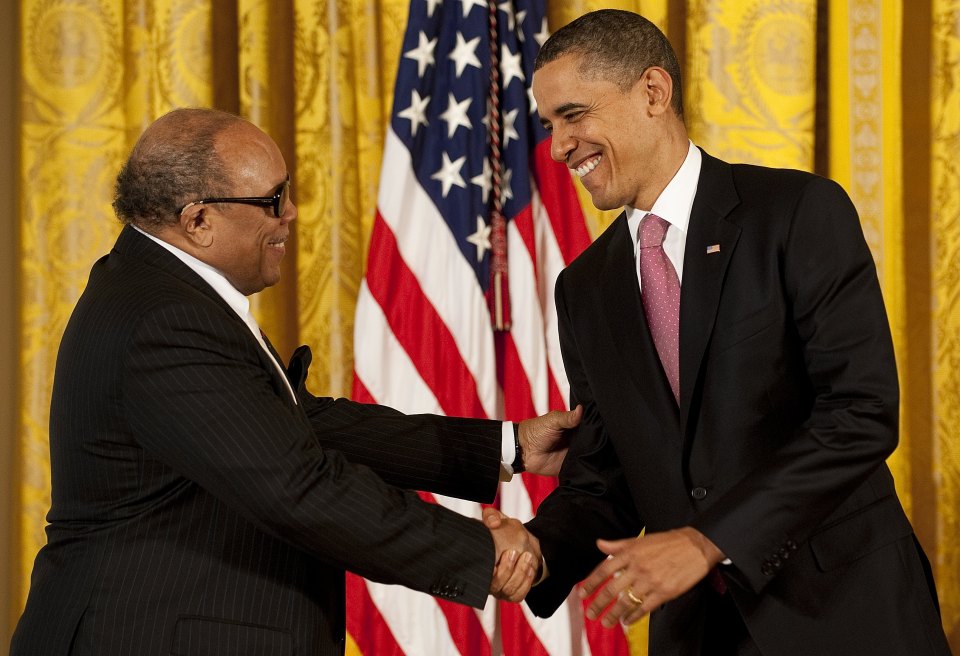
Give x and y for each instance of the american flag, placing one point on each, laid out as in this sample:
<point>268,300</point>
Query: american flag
<point>464,146</point>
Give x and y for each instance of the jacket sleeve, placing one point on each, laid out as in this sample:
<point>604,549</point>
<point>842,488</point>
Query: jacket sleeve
<point>830,284</point>
<point>198,399</point>
<point>452,456</point>
<point>591,501</point>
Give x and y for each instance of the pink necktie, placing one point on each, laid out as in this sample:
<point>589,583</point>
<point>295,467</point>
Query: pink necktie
<point>661,296</point>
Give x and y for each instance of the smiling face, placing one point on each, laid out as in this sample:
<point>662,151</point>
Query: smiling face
<point>624,145</point>
<point>247,242</point>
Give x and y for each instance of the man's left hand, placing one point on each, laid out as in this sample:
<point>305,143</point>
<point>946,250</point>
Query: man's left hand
<point>640,574</point>
<point>543,440</point>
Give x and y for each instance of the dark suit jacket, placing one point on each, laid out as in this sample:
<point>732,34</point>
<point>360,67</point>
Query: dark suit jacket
<point>197,510</point>
<point>788,409</point>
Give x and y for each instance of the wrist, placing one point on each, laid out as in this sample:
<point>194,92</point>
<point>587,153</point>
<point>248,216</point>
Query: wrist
<point>711,552</point>
<point>517,465</point>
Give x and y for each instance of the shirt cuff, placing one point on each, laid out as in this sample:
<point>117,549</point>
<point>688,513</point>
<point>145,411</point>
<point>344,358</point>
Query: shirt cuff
<point>508,450</point>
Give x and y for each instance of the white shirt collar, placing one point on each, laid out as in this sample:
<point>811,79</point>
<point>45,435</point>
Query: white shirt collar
<point>237,301</point>
<point>676,200</point>
<point>674,205</point>
<point>233,297</point>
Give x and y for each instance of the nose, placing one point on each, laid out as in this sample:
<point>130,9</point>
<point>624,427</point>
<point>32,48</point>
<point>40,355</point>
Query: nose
<point>561,145</point>
<point>289,213</point>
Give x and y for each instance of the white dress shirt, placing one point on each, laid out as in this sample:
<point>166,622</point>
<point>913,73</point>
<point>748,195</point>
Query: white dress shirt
<point>673,206</point>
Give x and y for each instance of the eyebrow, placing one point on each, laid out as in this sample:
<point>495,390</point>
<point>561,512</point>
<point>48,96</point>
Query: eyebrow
<point>566,107</point>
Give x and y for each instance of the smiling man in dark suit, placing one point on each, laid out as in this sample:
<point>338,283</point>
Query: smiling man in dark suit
<point>204,502</point>
<point>743,422</point>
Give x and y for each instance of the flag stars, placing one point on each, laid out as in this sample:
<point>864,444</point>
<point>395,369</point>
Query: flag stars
<point>465,53</point>
<point>416,113</point>
<point>431,5</point>
<point>484,180</point>
<point>531,101</point>
<point>507,8</point>
<point>456,115</point>
<point>469,4</point>
<point>423,53</point>
<point>506,191</point>
<point>509,129</point>
<point>544,34</point>
<point>449,173</point>
<point>510,66</point>
<point>521,15</point>
<point>481,238</point>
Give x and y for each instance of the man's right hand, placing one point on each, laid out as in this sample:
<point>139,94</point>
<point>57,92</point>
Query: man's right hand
<point>518,556</point>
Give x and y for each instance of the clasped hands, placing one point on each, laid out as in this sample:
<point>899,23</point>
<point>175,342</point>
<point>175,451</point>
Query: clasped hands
<point>518,556</point>
<point>543,444</point>
<point>637,576</point>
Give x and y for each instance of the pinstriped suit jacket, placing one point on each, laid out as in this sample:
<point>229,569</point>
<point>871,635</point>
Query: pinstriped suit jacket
<point>197,510</point>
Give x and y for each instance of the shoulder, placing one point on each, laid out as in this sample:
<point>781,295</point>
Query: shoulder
<point>596,256</point>
<point>770,186</point>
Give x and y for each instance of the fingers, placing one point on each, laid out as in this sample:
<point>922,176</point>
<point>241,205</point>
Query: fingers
<point>503,570</point>
<point>493,518</point>
<point>571,418</point>
<point>607,568</point>
<point>636,612</point>
<point>518,556</point>
<point>544,440</point>
<point>615,600</point>
<point>514,576</point>
<point>640,574</point>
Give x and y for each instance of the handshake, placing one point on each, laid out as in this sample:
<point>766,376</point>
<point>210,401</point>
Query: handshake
<point>519,561</point>
<point>518,558</point>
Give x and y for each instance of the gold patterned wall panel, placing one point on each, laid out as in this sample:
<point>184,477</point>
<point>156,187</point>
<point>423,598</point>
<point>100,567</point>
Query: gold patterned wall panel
<point>70,139</point>
<point>264,69</point>
<point>945,231</point>
<point>866,156</point>
<point>751,87</point>
<point>92,77</point>
<point>344,69</point>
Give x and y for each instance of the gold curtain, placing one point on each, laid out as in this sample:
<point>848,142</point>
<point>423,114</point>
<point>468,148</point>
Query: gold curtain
<point>815,85</point>
<point>944,189</point>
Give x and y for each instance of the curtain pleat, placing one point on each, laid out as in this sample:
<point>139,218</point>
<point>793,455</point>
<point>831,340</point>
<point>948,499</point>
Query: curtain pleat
<point>945,305</point>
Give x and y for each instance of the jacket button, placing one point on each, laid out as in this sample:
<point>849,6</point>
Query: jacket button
<point>699,493</point>
<point>767,569</point>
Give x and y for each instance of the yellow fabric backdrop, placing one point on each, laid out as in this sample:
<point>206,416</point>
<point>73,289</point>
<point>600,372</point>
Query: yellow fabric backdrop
<point>767,81</point>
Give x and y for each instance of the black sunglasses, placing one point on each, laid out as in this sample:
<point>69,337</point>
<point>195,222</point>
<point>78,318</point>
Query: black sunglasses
<point>278,201</point>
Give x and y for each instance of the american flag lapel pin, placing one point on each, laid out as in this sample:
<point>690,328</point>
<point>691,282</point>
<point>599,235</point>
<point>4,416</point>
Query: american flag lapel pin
<point>713,248</point>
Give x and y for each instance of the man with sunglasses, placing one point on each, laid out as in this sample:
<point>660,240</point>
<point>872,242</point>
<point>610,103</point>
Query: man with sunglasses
<point>203,501</point>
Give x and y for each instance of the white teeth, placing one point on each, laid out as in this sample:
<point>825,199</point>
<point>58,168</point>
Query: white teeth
<point>588,166</point>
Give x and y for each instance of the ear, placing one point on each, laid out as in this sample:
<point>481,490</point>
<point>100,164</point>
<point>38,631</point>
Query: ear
<point>658,90</point>
<point>195,225</point>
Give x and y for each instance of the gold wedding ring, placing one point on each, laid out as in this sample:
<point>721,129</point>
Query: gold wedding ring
<point>634,598</point>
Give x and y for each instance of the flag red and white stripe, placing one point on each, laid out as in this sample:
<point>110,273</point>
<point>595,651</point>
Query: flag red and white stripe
<point>424,340</point>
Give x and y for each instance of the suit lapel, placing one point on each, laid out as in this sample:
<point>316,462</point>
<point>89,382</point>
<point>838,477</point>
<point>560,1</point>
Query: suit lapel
<point>132,244</point>
<point>703,271</point>
<point>623,307</point>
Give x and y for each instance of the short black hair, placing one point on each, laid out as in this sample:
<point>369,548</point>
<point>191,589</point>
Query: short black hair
<point>616,45</point>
